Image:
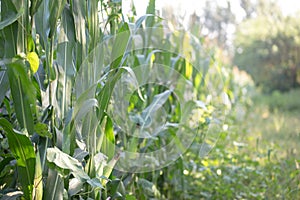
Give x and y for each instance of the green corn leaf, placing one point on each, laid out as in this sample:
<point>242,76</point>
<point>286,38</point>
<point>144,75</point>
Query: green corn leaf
<point>157,103</point>
<point>23,151</point>
<point>5,162</point>
<point>9,30</point>
<point>42,130</point>
<point>34,5</point>
<point>67,33</point>
<point>108,145</point>
<point>85,107</point>
<point>4,85</point>
<point>64,161</point>
<point>106,92</point>
<point>54,188</point>
<point>108,168</point>
<point>11,19</point>
<point>66,70</point>
<point>150,10</point>
<point>139,22</point>
<point>38,179</point>
<point>130,197</point>
<point>41,23</point>
<point>120,45</point>
<point>23,94</point>
<point>89,131</point>
<point>93,24</point>
<point>55,8</point>
<point>47,17</point>
<point>79,11</point>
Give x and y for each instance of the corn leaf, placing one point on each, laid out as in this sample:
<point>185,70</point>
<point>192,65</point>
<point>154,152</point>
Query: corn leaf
<point>9,30</point>
<point>64,161</point>
<point>150,10</point>
<point>120,45</point>
<point>79,11</point>
<point>23,151</point>
<point>23,94</point>
<point>157,103</point>
<point>34,5</point>
<point>54,186</point>
<point>4,85</point>
<point>38,179</point>
<point>108,145</point>
<point>11,19</point>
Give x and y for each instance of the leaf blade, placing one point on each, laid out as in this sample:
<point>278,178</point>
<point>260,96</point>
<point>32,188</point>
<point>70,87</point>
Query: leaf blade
<point>23,151</point>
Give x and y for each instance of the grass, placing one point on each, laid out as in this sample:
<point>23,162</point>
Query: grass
<point>276,120</point>
<point>258,157</point>
<point>271,130</point>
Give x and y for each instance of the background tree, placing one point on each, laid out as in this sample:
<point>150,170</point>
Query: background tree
<point>217,19</point>
<point>267,47</point>
<point>249,8</point>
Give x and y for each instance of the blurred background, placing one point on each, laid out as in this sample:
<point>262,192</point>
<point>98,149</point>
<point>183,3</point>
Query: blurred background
<point>260,37</point>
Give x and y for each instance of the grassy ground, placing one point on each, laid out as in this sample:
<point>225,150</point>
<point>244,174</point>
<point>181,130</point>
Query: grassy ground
<point>271,131</point>
<point>258,157</point>
<point>276,120</point>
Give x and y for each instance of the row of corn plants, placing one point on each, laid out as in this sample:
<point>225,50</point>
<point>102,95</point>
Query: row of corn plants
<point>73,95</point>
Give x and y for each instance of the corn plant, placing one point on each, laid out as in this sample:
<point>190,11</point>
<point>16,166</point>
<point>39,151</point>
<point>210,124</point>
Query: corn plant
<point>77,92</point>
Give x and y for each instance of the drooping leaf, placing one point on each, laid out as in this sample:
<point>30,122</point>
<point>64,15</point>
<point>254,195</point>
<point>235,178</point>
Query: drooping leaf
<point>80,154</point>
<point>75,186</point>
<point>117,188</point>
<point>106,93</point>
<point>88,130</point>
<point>100,161</point>
<point>140,20</point>
<point>41,22</point>
<point>82,109</point>
<point>64,161</point>
<point>23,151</point>
<point>11,18</point>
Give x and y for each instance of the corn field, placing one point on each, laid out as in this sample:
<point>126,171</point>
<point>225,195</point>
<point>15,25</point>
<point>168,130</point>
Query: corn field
<point>94,106</point>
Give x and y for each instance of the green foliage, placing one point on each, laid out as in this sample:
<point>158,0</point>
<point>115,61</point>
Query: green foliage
<point>23,94</point>
<point>287,101</point>
<point>267,48</point>
<point>66,132</point>
<point>23,152</point>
